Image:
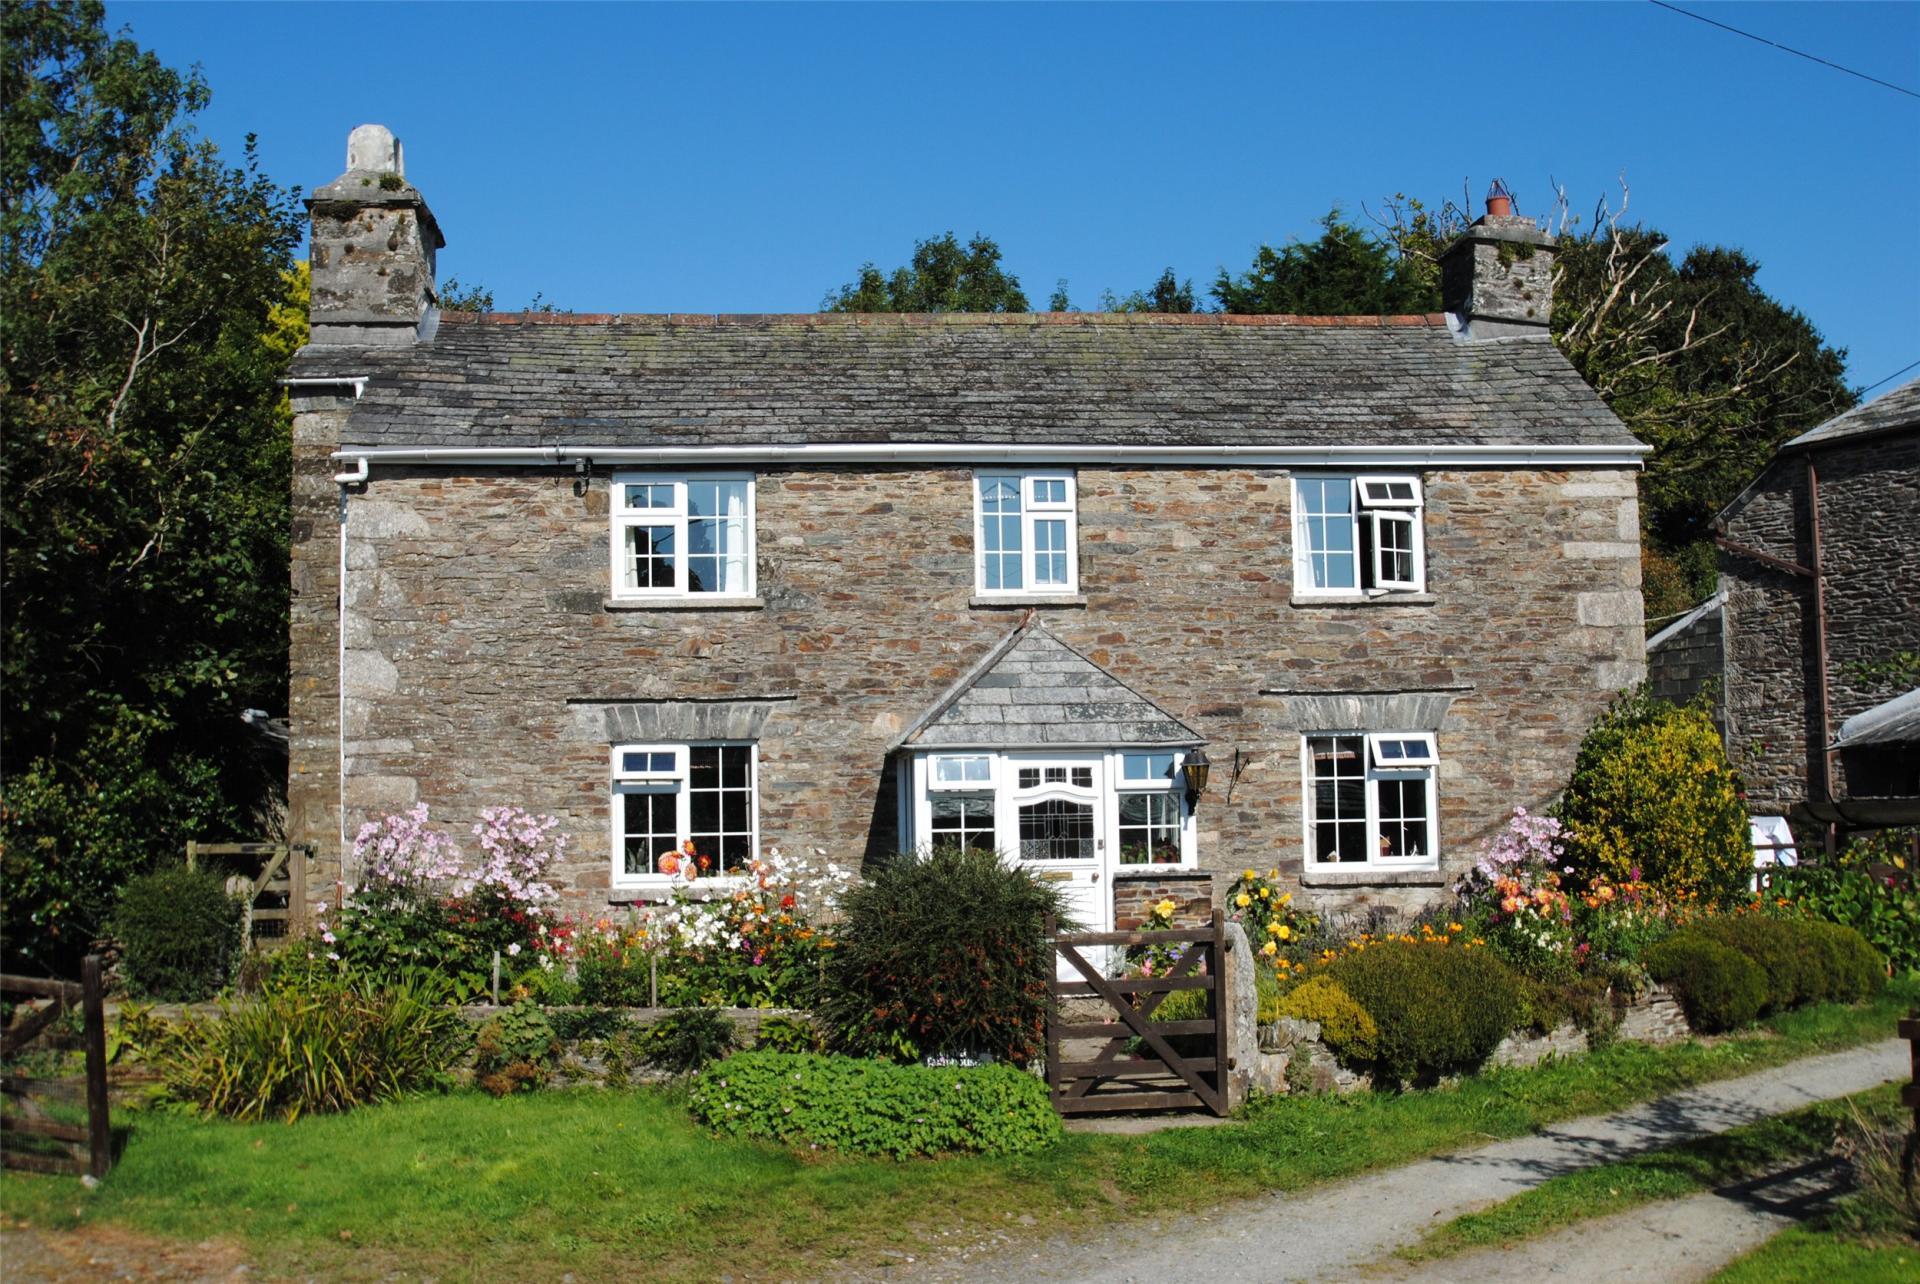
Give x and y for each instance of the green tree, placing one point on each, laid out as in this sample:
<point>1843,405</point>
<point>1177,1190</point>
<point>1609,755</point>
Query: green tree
<point>1344,271</point>
<point>944,276</point>
<point>1167,294</point>
<point>145,462</point>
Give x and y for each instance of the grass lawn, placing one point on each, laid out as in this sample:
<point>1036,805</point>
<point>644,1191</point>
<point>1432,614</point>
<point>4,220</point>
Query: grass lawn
<point>1802,1253</point>
<point>598,1183</point>
<point>1683,1170</point>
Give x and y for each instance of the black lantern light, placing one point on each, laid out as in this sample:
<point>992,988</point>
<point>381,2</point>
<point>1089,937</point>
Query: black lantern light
<point>1195,769</point>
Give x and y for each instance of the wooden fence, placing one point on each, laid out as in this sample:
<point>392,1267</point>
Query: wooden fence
<point>88,1147</point>
<point>1155,1074</point>
<point>276,896</point>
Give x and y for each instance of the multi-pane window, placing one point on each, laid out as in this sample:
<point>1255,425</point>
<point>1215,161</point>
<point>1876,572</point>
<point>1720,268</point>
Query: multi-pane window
<point>682,536</point>
<point>1026,537</point>
<point>1370,798</point>
<point>963,820</point>
<point>1151,815</point>
<point>1358,534</point>
<point>667,797</point>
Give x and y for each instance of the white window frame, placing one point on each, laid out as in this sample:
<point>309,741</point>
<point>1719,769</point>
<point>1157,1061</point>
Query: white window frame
<point>920,788</point>
<point>936,785</point>
<point>1429,771</point>
<point>1370,501</point>
<point>1172,786</point>
<point>626,783</point>
<point>1032,511</point>
<point>622,518</point>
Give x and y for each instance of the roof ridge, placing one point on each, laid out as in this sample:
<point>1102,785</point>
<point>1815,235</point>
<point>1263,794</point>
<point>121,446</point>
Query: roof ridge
<point>1428,320</point>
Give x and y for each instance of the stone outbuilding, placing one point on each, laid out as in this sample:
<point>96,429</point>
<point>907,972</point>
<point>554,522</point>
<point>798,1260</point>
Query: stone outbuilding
<point>1820,584</point>
<point>1140,601</point>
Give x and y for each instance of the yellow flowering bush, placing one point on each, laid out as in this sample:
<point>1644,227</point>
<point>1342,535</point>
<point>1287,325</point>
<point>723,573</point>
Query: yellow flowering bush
<point>1652,798</point>
<point>1345,1026</point>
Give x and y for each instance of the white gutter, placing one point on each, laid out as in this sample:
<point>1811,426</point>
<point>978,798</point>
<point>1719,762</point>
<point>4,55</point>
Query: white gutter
<point>1496,456</point>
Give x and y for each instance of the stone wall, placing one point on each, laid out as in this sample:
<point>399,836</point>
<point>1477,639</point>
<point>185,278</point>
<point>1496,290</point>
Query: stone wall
<point>481,657</point>
<point>1869,510</point>
<point>1135,895</point>
<point>1688,662</point>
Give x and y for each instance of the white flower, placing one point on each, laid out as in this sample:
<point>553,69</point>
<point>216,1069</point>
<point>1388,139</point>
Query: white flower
<point>513,949</point>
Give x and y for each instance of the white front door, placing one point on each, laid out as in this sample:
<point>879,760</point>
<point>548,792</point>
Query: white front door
<point>1057,825</point>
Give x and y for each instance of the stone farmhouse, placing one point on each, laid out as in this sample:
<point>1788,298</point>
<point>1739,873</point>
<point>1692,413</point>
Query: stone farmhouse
<point>1141,601</point>
<point>1820,597</point>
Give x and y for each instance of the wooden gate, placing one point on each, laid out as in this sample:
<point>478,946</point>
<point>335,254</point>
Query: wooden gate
<point>275,896</point>
<point>88,1147</point>
<point>1105,1052</point>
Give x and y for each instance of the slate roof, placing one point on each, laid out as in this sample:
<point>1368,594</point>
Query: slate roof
<point>514,380</point>
<point>1895,722</point>
<point>1034,691</point>
<point>1886,413</point>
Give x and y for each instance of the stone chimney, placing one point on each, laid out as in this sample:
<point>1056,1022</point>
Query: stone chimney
<point>1496,281</point>
<point>374,241</point>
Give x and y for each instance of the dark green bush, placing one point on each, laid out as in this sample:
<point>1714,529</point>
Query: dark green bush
<point>573,1023</point>
<point>942,953</point>
<point>789,1034</point>
<point>1854,969</point>
<point>1720,988</point>
<point>1790,958</point>
<point>328,1046</point>
<point>1439,1008</point>
<point>179,934</point>
<point>875,1107</point>
<point>514,1050</point>
<point>684,1040</point>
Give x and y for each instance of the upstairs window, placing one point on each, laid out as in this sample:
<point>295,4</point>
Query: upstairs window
<point>1358,534</point>
<point>682,536</point>
<point>1370,799</point>
<point>1026,540</point>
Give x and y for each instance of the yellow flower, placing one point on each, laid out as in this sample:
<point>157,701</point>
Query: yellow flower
<point>1274,872</point>
<point>1270,949</point>
<point>1266,893</point>
<point>1249,875</point>
<point>1243,900</point>
<point>1287,899</point>
<point>1164,908</point>
<point>1285,933</point>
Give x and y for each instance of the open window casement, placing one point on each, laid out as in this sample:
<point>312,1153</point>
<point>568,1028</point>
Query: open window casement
<point>1391,508</point>
<point>1402,751</point>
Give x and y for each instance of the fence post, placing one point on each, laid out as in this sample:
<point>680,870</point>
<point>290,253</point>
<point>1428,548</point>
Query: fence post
<point>297,890</point>
<point>496,978</point>
<point>99,1135</point>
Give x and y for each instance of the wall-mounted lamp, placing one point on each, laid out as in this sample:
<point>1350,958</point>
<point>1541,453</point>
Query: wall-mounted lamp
<point>582,475</point>
<point>1195,769</point>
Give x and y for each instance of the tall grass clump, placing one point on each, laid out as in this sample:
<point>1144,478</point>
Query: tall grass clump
<point>325,1047</point>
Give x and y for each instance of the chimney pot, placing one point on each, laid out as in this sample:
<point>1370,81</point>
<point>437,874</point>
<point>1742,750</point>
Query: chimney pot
<point>1499,200</point>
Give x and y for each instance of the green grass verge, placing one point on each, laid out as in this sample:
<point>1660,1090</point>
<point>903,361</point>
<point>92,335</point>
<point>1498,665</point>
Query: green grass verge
<point>1682,1170</point>
<point>467,1187</point>
<point>1802,1253</point>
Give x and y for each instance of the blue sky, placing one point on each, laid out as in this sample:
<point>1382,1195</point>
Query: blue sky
<point>747,158</point>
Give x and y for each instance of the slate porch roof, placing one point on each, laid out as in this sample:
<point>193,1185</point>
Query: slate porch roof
<point>1033,691</point>
<point>514,380</point>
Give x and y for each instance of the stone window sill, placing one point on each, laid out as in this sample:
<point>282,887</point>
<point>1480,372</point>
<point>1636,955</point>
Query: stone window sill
<point>1363,599</point>
<point>701,603</point>
<point>660,893</point>
<point>1323,877</point>
<point>1176,873</point>
<point>1010,602</point>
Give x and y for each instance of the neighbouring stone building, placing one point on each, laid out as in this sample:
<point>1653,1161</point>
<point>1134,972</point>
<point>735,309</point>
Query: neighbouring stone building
<point>1820,581</point>
<point>1685,660</point>
<point>849,584</point>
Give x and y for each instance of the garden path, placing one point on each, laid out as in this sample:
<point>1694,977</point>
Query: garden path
<point>1674,1242</point>
<point>1332,1232</point>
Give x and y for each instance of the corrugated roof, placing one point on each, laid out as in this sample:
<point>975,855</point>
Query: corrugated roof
<point>1895,722</point>
<point>1888,412</point>
<point>1034,691</point>
<point>1037,379</point>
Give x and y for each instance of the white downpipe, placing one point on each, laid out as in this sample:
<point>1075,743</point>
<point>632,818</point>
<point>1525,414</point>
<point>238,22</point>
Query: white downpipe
<point>356,474</point>
<point>351,477</point>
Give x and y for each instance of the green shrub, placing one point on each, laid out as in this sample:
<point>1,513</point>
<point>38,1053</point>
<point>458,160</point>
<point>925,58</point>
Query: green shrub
<point>1719,987</point>
<point>179,934</point>
<point>1651,792</point>
<point>1345,1026</point>
<point>684,1040</point>
<point>942,953</point>
<point>875,1107</point>
<point>1854,970</point>
<point>789,1034</point>
<point>1879,900</point>
<point>1585,1001</point>
<point>573,1024</point>
<point>1790,958</point>
<point>1439,1008</point>
<point>328,1047</point>
<point>610,974</point>
<point>514,1050</point>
